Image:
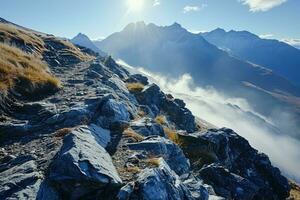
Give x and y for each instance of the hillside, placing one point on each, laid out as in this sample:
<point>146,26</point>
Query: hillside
<point>278,56</point>
<point>109,134</point>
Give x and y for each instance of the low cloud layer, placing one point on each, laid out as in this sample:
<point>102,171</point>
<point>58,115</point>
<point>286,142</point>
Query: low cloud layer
<point>262,5</point>
<point>292,42</point>
<point>235,113</point>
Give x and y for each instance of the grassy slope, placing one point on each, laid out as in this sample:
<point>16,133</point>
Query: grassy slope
<point>21,54</point>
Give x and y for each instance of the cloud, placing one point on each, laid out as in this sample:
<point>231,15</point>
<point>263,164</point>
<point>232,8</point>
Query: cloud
<point>156,2</point>
<point>236,113</point>
<point>266,36</point>
<point>196,31</point>
<point>189,8</point>
<point>262,5</point>
<point>292,42</point>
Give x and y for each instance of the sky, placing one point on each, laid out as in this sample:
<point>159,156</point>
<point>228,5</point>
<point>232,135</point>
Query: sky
<point>100,18</point>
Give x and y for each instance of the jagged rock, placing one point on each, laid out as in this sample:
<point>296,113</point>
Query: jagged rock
<point>227,184</point>
<point>226,148</point>
<point>112,111</point>
<point>126,191</point>
<point>175,109</point>
<point>147,127</point>
<point>114,67</point>
<point>162,183</point>
<point>20,179</point>
<point>47,192</point>
<point>83,167</point>
<point>137,78</point>
<point>162,147</point>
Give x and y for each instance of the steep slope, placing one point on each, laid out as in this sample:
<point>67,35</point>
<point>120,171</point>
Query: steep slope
<point>273,54</point>
<point>108,134</point>
<point>173,51</point>
<point>84,41</point>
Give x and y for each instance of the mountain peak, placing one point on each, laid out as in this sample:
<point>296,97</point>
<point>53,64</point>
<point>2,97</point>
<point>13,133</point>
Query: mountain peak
<point>135,25</point>
<point>176,25</point>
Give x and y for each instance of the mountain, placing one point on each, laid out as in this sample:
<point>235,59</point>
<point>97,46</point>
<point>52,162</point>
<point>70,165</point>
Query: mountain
<point>107,134</point>
<point>84,41</point>
<point>278,56</point>
<point>173,51</point>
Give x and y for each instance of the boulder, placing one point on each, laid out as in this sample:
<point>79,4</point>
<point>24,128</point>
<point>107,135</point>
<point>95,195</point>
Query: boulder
<point>111,111</point>
<point>20,179</point>
<point>162,147</point>
<point>147,127</point>
<point>162,183</point>
<point>227,184</point>
<point>229,150</point>
<point>83,167</point>
<point>175,109</point>
<point>137,78</point>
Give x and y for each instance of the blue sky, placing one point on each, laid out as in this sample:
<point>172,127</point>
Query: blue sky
<point>99,18</point>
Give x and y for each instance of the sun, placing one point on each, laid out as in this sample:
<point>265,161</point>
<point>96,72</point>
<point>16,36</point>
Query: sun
<point>135,5</point>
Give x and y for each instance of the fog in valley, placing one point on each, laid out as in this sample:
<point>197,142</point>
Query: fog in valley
<point>235,113</point>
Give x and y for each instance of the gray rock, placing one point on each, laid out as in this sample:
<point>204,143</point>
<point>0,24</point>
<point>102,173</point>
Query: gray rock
<point>137,78</point>
<point>175,109</point>
<point>126,191</point>
<point>162,147</point>
<point>229,150</point>
<point>162,183</point>
<point>83,166</point>
<point>112,111</point>
<point>147,127</point>
<point>227,184</point>
<point>21,181</point>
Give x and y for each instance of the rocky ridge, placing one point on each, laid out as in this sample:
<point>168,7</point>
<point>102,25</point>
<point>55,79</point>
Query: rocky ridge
<point>107,134</point>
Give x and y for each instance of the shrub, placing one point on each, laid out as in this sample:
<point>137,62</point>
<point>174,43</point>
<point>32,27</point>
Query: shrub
<point>172,135</point>
<point>133,169</point>
<point>135,87</point>
<point>131,133</point>
<point>160,119</point>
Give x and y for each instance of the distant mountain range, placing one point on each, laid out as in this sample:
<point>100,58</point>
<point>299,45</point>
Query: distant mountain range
<point>278,56</point>
<point>173,51</point>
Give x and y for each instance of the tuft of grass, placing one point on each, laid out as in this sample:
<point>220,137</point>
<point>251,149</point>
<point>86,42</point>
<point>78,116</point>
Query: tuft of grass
<point>131,133</point>
<point>62,132</point>
<point>153,162</point>
<point>295,191</point>
<point>160,119</point>
<point>135,87</point>
<point>16,65</point>
<point>172,135</point>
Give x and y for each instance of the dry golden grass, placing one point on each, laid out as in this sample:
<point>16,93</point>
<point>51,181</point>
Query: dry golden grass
<point>18,65</point>
<point>153,162</point>
<point>131,133</point>
<point>160,119</point>
<point>9,32</point>
<point>62,132</point>
<point>295,191</point>
<point>172,135</point>
<point>135,87</point>
<point>12,34</point>
<point>72,49</point>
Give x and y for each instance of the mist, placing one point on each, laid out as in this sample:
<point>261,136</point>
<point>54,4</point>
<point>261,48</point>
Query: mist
<point>236,113</point>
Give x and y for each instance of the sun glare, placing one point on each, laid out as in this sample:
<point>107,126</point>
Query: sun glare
<point>135,5</point>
